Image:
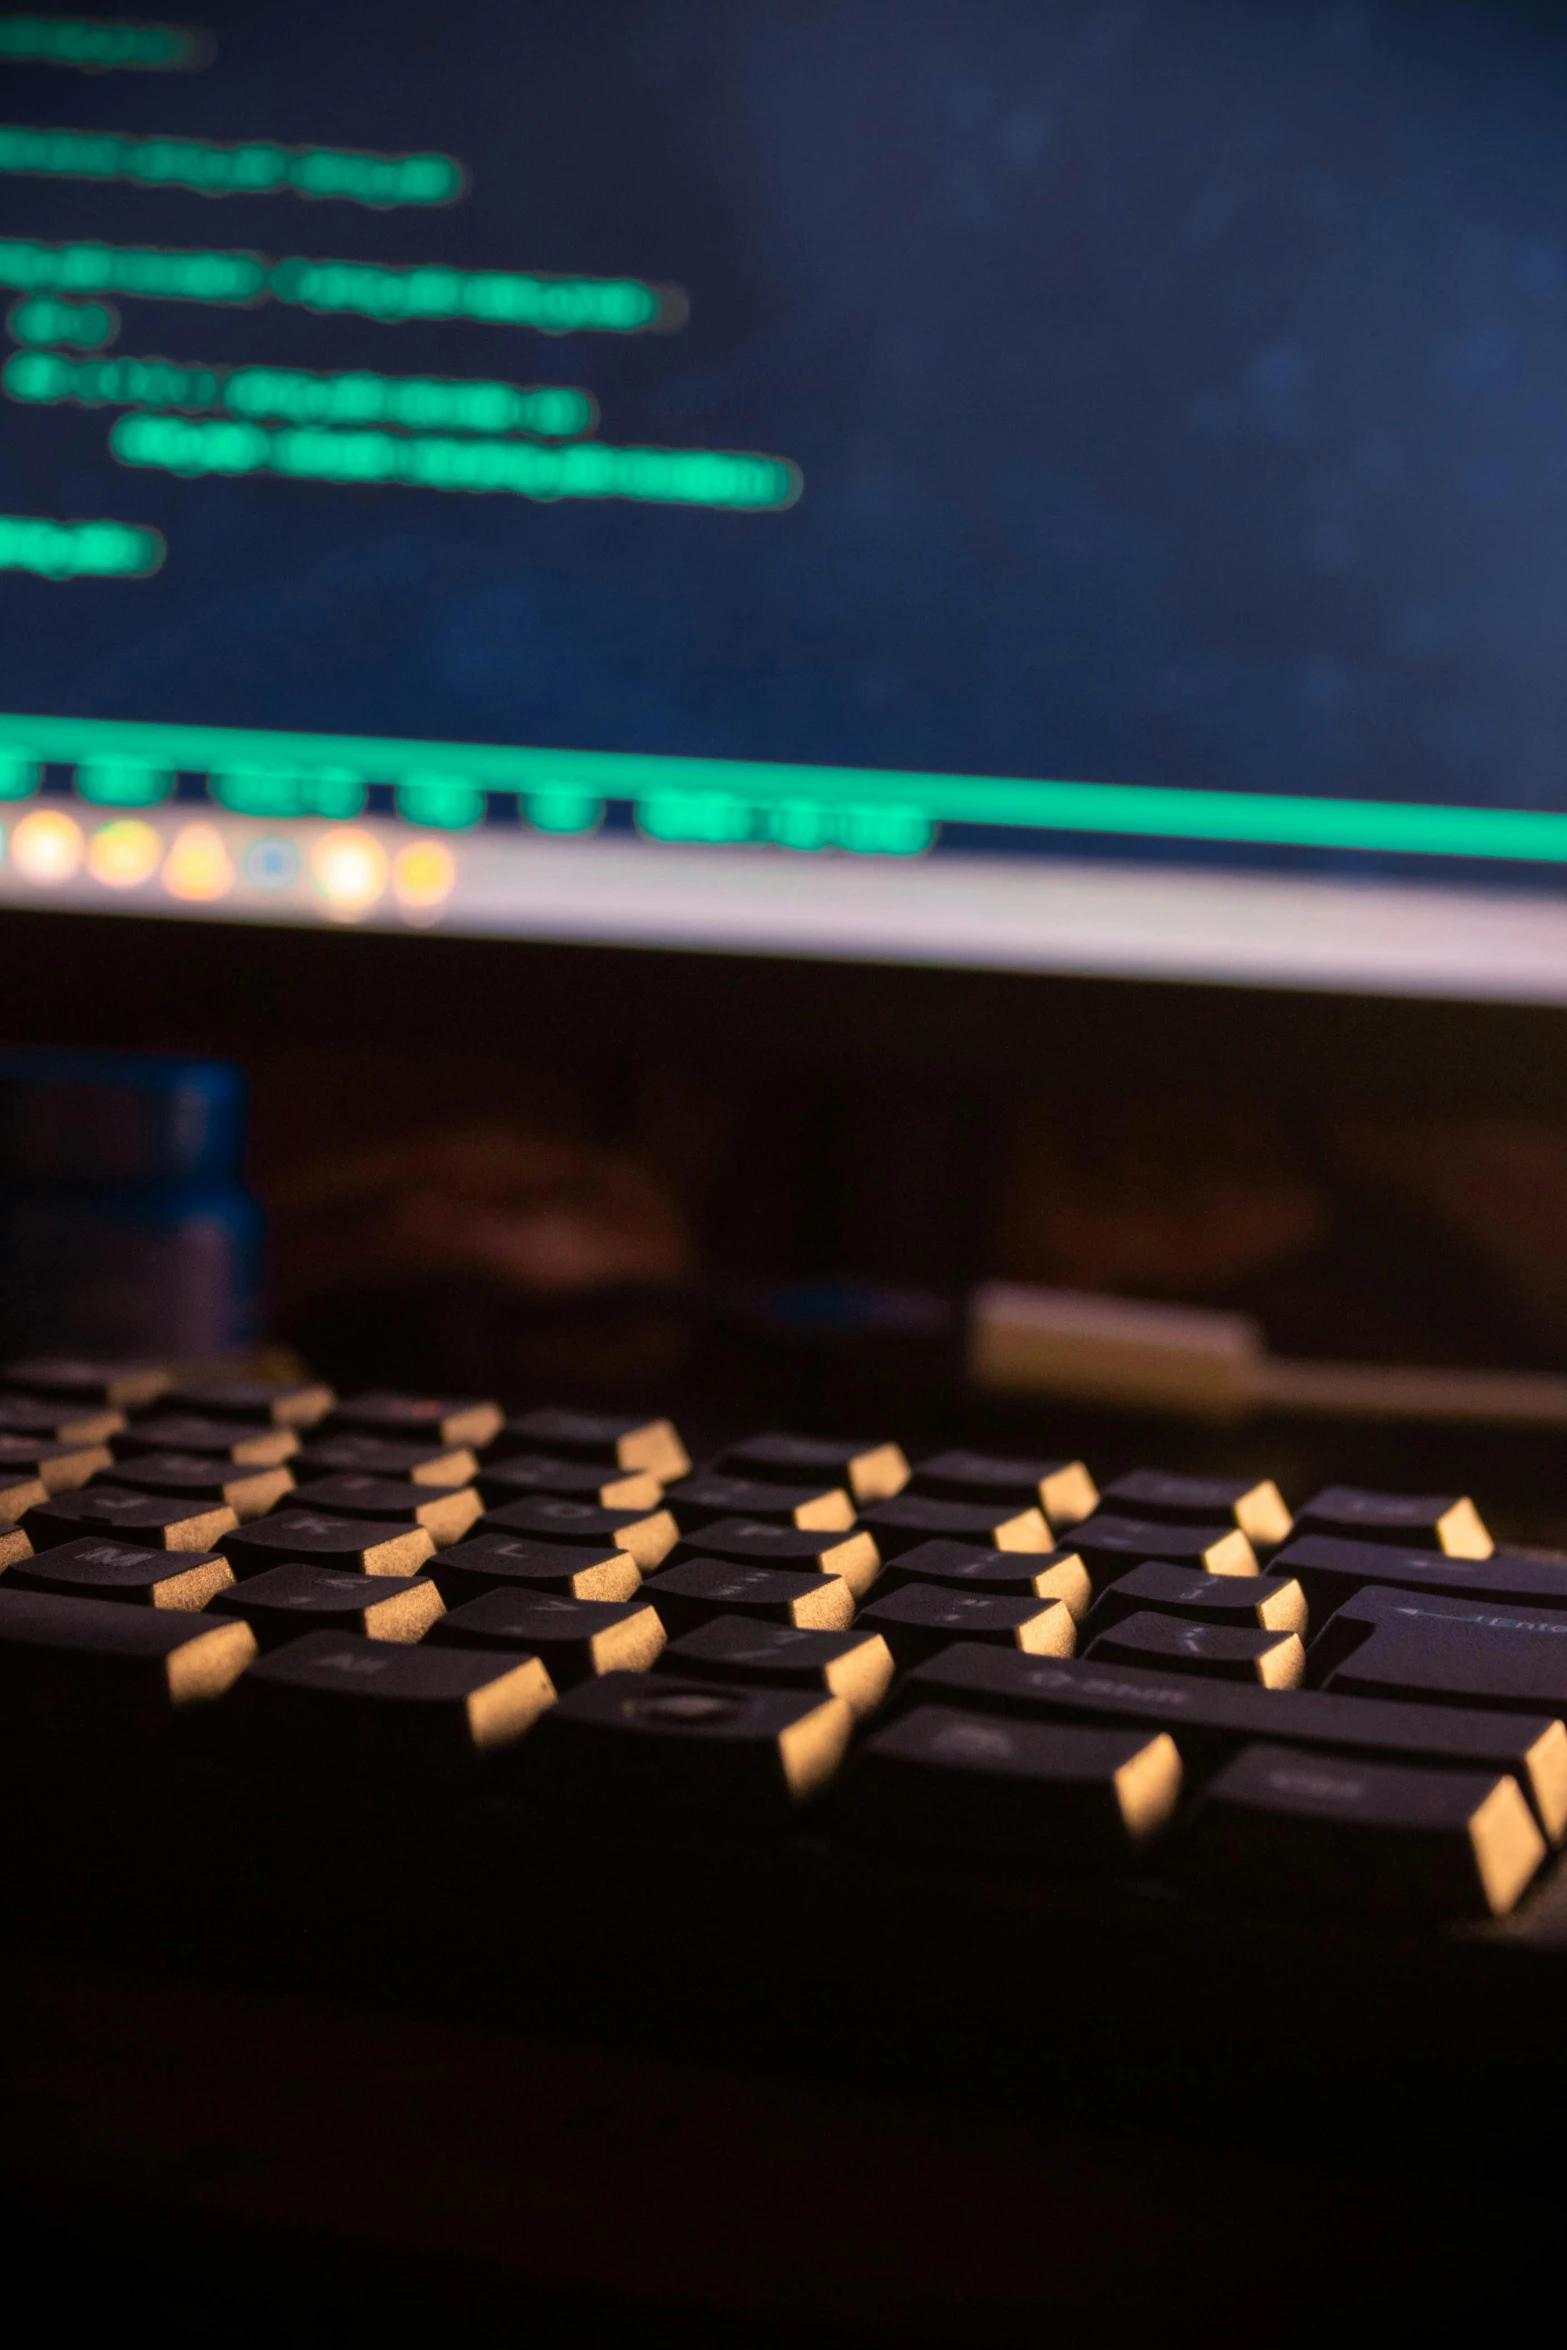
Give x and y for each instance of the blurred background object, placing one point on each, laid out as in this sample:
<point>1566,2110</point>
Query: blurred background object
<point>125,1226</point>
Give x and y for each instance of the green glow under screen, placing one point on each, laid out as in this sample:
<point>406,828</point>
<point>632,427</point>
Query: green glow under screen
<point>1055,428</point>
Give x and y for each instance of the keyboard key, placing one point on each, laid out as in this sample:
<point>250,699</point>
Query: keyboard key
<point>1017,1574</point>
<point>84,1673</point>
<point>712,1495</point>
<point>280,1403</point>
<point>288,1601</point>
<point>1268,1603</point>
<point>299,1537</point>
<point>249,1493</point>
<point>56,1422</point>
<point>331,1700</point>
<point>1110,1547</point>
<point>21,1489</point>
<point>251,1444</point>
<point>379,1456</point>
<point>445,1511</point>
<point>1254,1504</point>
<point>854,1665</point>
<point>1211,1721</point>
<point>58,1468</point>
<point>606,1489</point>
<point>702,1588</point>
<point>1375,1607</point>
<point>438,1419</point>
<point>754,1542</point>
<point>1166,1644</point>
<point>1286,1826</point>
<point>154,1521</point>
<point>648,1536</point>
<point>1063,1490</point>
<point>1401,1644</point>
<point>922,1619</point>
<point>870,1472</point>
<point>912,1518</point>
<point>1037,1796</point>
<point>628,1741</point>
<point>604,1439</point>
<point>115,1387</point>
<point>575,1638</point>
<point>511,1562</point>
<point>124,1571</point>
<point>1329,1572</point>
<point>1414,1521</point>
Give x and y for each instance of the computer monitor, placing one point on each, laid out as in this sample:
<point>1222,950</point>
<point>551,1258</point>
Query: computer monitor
<point>1062,487</point>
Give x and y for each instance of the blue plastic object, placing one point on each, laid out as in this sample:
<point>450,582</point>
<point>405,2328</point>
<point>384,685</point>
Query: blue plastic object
<point>125,1227</point>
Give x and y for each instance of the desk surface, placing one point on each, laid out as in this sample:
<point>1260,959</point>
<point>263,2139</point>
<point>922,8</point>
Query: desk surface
<point>303,2147</point>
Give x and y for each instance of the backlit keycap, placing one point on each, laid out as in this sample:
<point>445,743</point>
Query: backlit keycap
<point>123,1571</point>
<point>437,1419</point>
<point>713,1494</point>
<point>192,1477</point>
<point>1016,1574</point>
<point>607,1489</point>
<point>81,1672</point>
<point>280,1403</point>
<point>1041,1798</point>
<point>756,1542</point>
<point>252,1444</point>
<point>117,1387</point>
<point>855,1665</point>
<point>512,1562</point>
<point>627,1741</point>
<point>575,1638</point>
<point>333,1701</point>
<point>1063,1490</point>
<point>154,1521</point>
<point>912,1518</point>
<point>57,1422</point>
<point>603,1438</point>
<point>287,1602</point>
<point>1254,1504</point>
<point>871,1472</point>
<point>382,1456</point>
<point>1167,1644</point>
<point>1268,1603</point>
<point>701,1588</point>
<point>58,1468</point>
<point>923,1618</point>
<point>1287,1827</point>
<point>307,1538</point>
<point>647,1535</point>
<point>1416,1521</point>
<point>1110,1547</point>
<point>446,1512</point>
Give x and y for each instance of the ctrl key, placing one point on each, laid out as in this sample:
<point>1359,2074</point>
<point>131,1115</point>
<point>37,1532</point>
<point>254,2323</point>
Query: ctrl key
<point>1296,1828</point>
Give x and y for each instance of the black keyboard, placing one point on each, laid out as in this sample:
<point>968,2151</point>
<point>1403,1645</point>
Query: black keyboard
<point>799,1688</point>
<point>1175,1693</point>
<point>956,1777</point>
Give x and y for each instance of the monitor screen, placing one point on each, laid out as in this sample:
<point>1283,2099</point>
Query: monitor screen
<point>1057,484</point>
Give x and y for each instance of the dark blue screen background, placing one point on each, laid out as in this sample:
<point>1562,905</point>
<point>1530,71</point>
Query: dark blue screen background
<point>1181,390</point>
